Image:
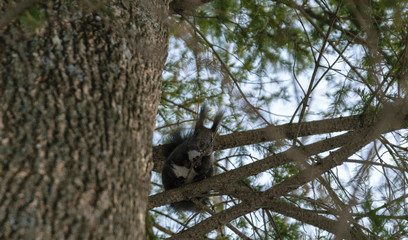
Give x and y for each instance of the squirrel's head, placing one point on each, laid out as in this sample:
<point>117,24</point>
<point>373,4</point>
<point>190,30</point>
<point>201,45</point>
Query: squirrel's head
<point>202,136</point>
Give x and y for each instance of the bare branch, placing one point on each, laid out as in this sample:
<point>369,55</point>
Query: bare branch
<point>272,133</point>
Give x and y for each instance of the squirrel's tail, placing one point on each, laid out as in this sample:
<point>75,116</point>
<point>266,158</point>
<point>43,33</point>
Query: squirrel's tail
<point>188,205</point>
<point>175,139</point>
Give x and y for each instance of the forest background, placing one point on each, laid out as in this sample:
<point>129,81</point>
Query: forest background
<point>313,144</point>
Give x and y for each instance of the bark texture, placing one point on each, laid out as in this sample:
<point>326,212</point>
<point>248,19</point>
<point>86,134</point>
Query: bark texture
<point>78,97</point>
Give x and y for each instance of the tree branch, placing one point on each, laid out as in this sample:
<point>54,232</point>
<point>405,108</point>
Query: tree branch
<point>389,119</point>
<point>272,133</point>
<point>218,182</point>
<point>253,201</point>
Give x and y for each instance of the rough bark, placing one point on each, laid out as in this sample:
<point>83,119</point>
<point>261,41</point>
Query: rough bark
<point>78,99</point>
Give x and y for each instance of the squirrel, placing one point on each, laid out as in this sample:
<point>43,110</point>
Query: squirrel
<point>189,158</point>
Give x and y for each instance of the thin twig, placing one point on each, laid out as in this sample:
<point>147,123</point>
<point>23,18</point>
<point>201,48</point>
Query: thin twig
<point>224,66</point>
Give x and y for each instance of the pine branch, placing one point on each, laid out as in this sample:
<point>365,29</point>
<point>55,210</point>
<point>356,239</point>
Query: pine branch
<point>218,182</point>
<point>271,133</point>
<point>389,119</point>
<point>254,201</point>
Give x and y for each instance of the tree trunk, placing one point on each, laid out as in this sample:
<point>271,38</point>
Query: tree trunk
<point>79,91</point>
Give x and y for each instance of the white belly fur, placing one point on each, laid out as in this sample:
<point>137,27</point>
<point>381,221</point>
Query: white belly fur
<point>181,171</point>
<point>193,154</point>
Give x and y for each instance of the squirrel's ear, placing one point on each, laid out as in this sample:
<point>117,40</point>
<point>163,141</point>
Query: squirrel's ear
<point>201,116</point>
<point>217,120</point>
